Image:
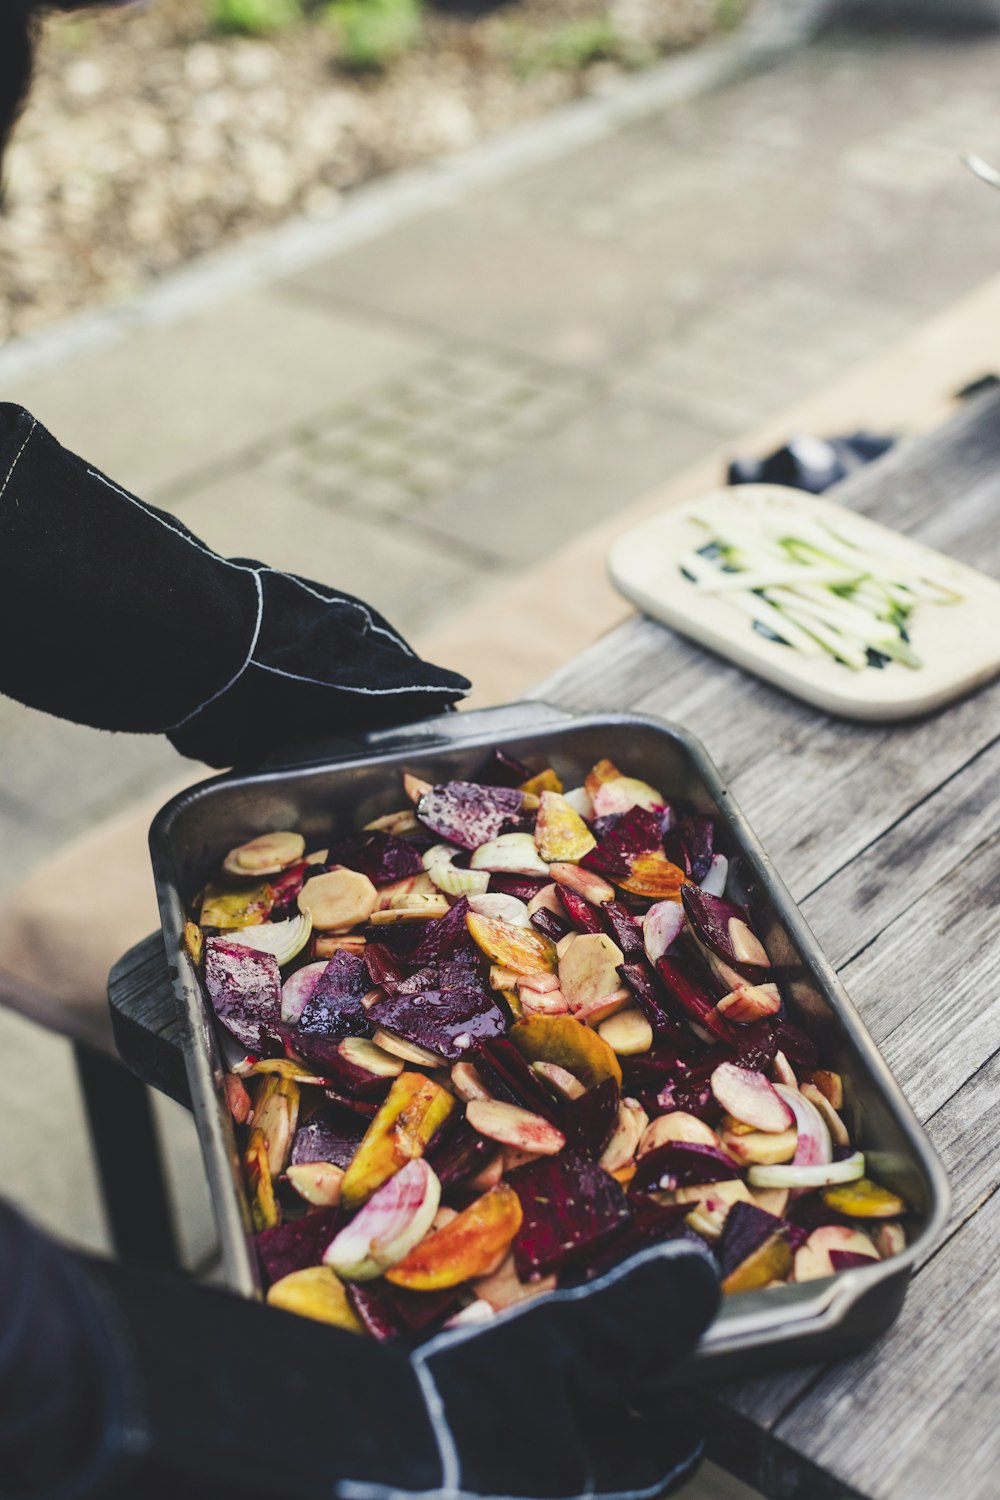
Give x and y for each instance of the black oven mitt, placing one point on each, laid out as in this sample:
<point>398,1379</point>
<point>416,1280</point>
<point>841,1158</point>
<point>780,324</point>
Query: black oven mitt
<point>133,1383</point>
<point>116,616</point>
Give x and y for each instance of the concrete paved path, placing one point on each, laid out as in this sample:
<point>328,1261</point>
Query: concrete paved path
<point>425,416</point>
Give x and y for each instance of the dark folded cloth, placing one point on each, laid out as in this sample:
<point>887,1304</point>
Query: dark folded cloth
<point>114,615</point>
<point>809,463</point>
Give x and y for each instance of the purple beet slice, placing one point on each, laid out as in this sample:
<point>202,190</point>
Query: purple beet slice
<point>622,926</point>
<point>676,849</point>
<point>330,1135</point>
<point>795,1044</point>
<point>715,921</point>
<point>384,969</point>
<point>383,857</point>
<point>843,1260</point>
<point>503,769</point>
<point>366,1108</point>
<point>299,1243</point>
<point>571,1207</point>
<point>521,886</point>
<point>698,833</point>
<point>467,813</point>
<point>550,925</point>
<point>685,1163</point>
<point>244,987</point>
<point>585,918</point>
<point>636,832</point>
<point>649,994</point>
<point>334,1008</point>
<point>444,937</point>
<point>650,1223</point>
<point>693,1095</point>
<point>377,1312</point>
<point>286,887</point>
<point>460,1155</point>
<point>343,1076</point>
<point>696,1003</point>
<point>508,1076</point>
<point>446,1022</point>
<point>419,1311</point>
<point>756,1047</point>
<point>747,1227</point>
<point>588,1122</point>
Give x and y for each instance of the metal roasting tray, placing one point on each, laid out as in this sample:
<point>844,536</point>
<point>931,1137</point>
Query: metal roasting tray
<point>341,784</point>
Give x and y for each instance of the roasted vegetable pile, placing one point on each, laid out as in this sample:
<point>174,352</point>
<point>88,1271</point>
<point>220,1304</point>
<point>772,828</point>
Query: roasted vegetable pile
<point>506,1036</point>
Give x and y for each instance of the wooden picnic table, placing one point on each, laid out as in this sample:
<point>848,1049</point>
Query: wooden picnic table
<point>889,838</point>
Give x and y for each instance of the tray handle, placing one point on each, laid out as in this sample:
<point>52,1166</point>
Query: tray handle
<point>422,735</point>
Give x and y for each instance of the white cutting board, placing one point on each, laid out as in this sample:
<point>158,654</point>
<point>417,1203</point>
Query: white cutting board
<point>959,644</point>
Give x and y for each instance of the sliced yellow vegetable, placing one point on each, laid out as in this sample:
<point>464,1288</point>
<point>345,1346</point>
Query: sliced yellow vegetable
<point>771,1261</point>
<point>263,1207</point>
<point>545,781</point>
<point>562,1040</point>
<point>317,1292</point>
<point>864,1199</point>
<point>560,832</point>
<point>468,1245</point>
<point>414,1109</point>
<point>518,948</point>
<point>229,907</point>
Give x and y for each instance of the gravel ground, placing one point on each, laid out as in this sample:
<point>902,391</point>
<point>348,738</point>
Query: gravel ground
<point>151,139</point>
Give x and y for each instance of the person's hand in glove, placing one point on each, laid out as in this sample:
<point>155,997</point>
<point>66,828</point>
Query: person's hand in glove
<point>168,1389</point>
<point>116,616</point>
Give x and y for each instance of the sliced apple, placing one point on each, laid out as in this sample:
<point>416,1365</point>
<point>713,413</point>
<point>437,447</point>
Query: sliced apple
<point>812,1260</point>
<point>627,1032</point>
<point>467,1083</point>
<point>562,1040</point>
<point>414,1110</point>
<point>559,1079</point>
<point>316,1292</point>
<point>593,888</point>
<point>361,1053</point>
<point>408,1051</point>
<point>596,1012</point>
<point>391,1223</point>
<point>338,899</point>
<point>510,854</point>
<point>509,1125</point>
<point>518,948</point>
<point>661,927</point>
<point>469,1246</point>
<point>678,1125</point>
<point>760,1146</point>
<point>624,1142</point>
<point>751,1002</point>
<point>502,908</point>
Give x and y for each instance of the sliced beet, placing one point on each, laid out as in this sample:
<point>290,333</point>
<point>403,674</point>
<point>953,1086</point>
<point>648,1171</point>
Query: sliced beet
<point>334,1008</point>
<point>843,1260</point>
<point>344,1076</point>
<point>286,887</point>
<point>795,1044</point>
<point>467,813</point>
<point>444,937</point>
<point>420,1311</point>
<point>330,1135</point>
<point>459,1155</point>
<point>695,1002</point>
<point>503,769</point>
<point>384,969</point>
<point>589,1121</point>
<point>636,833</point>
<point>747,1227</point>
<point>299,1243</point>
<point>446,1022</point>
<point>692,1095</point>
<point>571,1207</point>
<point>550,925</point>
<point>664,1061</point>
<point>521,886</point>
<point>795,1235</point>
<point>676,849</point>
<point>809,1212</point>
<point>509,1076</point>
<point>367,1109</point>
<point>244,987</point>
<point>698,833</point>
<point>377,1311</point>
<point>383,857</point>
<point>756,1046</point>
<point>711,917</point>
<point>622,926</point>
<point>463,972</point>
<point>584,917</point>
<point>650,1223</point>
<point>650,996</point>
<point>686,1163</point>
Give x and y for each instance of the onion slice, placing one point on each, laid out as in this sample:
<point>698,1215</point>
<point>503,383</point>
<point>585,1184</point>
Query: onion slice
<point>822,1174</point>
<point>282,939</point>
<point>392,1222</point>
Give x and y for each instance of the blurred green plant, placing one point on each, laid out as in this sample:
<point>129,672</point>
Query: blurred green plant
<point>255,17</point>
<point>373,33</point>
<point>567,46</point>
<point>729,13</point>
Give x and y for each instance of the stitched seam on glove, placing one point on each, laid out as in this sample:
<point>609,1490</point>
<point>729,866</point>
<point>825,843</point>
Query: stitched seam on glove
<point>346,687</point>
<point>3,488</point>
<point>335,598</point>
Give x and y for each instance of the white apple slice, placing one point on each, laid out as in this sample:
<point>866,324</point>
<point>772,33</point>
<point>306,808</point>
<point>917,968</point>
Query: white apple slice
<point>408,1051</point>
<point>509,1125</point>
<point>397,823</point>
<point>812,1260</point>
<point>297,989</point>
<point>822,1174</point>
<point>718,873</point>
<point>391,1223</point>
<point>760,1146</point>
<point>510,854</point>
<point>678,1125</point>
<point>580,801</point>
<point>561,1079</point>
<point>749,1097</point>
<point>890,1239</point>
<point>662,926</point>
<point>466,1082</point>
<point>625,1138</point>
<point>362,1053</point>
<point>750,1002</point>
<point>588,970</point>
